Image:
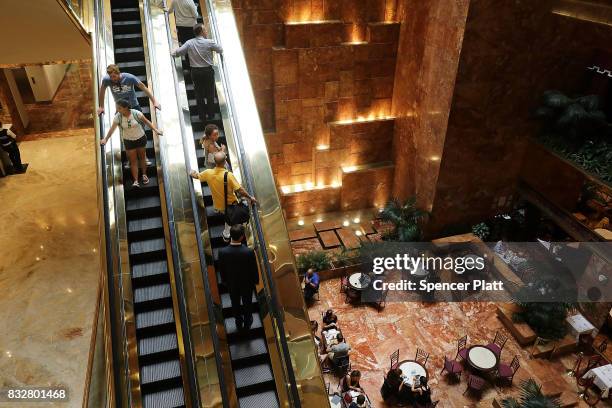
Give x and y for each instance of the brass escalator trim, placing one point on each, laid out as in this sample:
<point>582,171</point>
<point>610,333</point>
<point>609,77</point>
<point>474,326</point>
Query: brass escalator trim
<point>75,20</point>
<point>245,136</point>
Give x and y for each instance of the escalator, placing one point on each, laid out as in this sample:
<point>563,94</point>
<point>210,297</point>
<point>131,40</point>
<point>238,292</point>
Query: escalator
<point>159,366</point>
<point>250,359</point>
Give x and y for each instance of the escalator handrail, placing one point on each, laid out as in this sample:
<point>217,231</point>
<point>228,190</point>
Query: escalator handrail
<point>100,151</point>
<point>196,215</point>
<point>274,303</point>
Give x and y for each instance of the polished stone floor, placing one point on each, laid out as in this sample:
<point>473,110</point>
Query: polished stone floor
<point>49,264</point>
<point>435,328</point>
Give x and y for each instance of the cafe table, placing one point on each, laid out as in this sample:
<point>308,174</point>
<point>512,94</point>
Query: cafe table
<point>603,379</point>
<point>411,369</point>
<point>359,281</point>
<point>482,359</point>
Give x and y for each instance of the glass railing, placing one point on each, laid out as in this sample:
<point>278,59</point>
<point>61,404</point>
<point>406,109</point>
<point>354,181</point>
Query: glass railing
<point>81,12</point>
<point>282,289</point>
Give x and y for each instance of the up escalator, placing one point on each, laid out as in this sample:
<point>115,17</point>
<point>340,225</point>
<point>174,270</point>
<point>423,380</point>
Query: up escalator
<point>159,365</point>
<point>250,360</point>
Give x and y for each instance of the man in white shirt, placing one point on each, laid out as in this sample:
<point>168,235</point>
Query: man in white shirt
<point>186,15</point>
<point>200,52</point>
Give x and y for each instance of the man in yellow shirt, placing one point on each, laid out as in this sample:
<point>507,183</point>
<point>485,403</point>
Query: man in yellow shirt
<point>214,178</point>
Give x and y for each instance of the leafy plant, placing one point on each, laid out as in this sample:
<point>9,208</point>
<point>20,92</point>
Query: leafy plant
<point>544,305</point>
<point>481,230</point>
<point>405,218</point>
<point>531,396</point>
<point>577,130</point>
<point>344,257</point>
<point>317,260</point>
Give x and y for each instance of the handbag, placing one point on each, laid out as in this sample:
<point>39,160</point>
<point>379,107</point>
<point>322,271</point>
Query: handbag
<point>235,213</point>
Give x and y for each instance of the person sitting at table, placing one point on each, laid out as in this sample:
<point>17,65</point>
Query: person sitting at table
<point>314,325</point>
<point>421,392</point>
<point>328,316</point>
<point>393,381</point>
<point>311,284</point>
<point>351,382</point>
<point>331,323</point>
<point>360,402</point>
<point>336,352</point>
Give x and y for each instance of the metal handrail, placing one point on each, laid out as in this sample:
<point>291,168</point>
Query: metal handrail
<point>178,277</point>
<point>275,307</point>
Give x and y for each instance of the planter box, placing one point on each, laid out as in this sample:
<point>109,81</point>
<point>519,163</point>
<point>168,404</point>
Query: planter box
<point>339,272</point>
<point>523,334</point>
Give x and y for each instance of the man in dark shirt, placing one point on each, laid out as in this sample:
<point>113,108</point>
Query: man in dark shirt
<point>240,274</point>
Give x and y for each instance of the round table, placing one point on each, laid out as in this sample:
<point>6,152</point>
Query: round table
<point>482,359</point>
<point>410,369</point>
<point>359,281</point>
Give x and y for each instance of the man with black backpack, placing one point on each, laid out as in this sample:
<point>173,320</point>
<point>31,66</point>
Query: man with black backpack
<point>223,187</point>
<point>9,145</point>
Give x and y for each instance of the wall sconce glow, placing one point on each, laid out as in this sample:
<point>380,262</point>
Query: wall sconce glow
<point>370,118</point>
<point>319,220</point>
<point>285,189</point>
<point>346,223</point>
<point>356,220</point>
<point>349,169</point>
<point>322,147</point>
<point>336,184</point>
<point>309,186</point>
<point>434,158</point>
<point>358,233</point>
<point>301,222</point>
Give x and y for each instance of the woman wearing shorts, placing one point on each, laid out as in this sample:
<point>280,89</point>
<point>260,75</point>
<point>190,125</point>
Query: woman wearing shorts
<point>131,125</point>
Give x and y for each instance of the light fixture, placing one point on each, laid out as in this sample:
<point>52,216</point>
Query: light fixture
<point>346,223</point>
<point>349,169</point>
<point>301,222</point>
<point>358,233</point>
<point>319,220</point>
<point>434,158</point>
<point>68,290</point>
<point>42,247</point>
<point>356,220</point>
<point>322,147</point>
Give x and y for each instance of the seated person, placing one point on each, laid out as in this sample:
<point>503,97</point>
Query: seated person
<point>421,392</point>
<point>311,284</point>
<point>336,352</point>
<point>359,403</point>
<point>391,386</point>
<point>330,321</point>
<point>314,325</point>
<point>327,317</point>
<point>351,382</point>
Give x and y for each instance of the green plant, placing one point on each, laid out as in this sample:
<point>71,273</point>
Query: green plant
<point>405,218</point>
<point>531,396</point>
<point>345,257</point>
<point>544,304</point>
<point>481,230</point>
<point>317,260</point>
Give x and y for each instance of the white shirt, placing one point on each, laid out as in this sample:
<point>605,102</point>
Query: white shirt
<point>129,126</point>
<point>185,12</point>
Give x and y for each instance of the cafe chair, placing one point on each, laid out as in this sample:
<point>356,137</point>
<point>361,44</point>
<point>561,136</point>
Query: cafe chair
<point>421,357</point>
<point>592,362</point>
<point>506,372</point>
<point>394,359</point>
<point>602,346</point>
<point>584,383</point>
<point>453,367</point>
<point>591,397</point>
<point>585,342</point>
<point>498,343</point>
<point>382,302</point>
<point>462,348</point>
<point>573,372</point>
<point>474,384</point>
<point>344,283</point>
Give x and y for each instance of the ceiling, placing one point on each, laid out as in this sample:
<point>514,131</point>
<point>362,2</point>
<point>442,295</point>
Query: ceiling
<point>40,31</point>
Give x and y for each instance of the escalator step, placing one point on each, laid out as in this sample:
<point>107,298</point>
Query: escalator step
<point>149,269</point>
<point>142,203</point>
<point>155,292</point>
<point>230,324</point>
<point>249,348</point>
<point>227,303</point>
<point>265,399</point>
<point>127,27</point>
<point>253,375</point>
<point>157,344</point>
<point>172,398</point>
<point>154,318</point>
<point>149,245</point>
<point>164,370</point>
<point>144,224</point>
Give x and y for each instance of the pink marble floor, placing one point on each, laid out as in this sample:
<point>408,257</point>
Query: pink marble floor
<point>435,328</point>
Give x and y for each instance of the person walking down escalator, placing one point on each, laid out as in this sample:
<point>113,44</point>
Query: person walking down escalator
<point>131,125</point>
<point>8,143</point>
<point>186,15</point>
<point>239,272</point>
<point>122,87</point>
<point>220,180</point>
<point>200,52</point>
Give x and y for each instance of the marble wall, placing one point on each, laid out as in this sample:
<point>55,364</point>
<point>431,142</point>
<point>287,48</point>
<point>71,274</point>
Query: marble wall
<point>512,52</point>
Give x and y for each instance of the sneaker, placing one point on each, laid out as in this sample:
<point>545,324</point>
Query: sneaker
<point>145,179</point>
<point>135,184</point>
<point>148,162</point>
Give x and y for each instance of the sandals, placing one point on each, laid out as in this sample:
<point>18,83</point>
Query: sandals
<point>145,179</point>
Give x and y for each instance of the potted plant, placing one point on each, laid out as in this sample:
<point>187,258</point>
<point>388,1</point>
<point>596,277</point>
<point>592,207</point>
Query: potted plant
<point>481,230</point>
<point>406,219</point>
<point>531,396</point>
<point>317,260</point>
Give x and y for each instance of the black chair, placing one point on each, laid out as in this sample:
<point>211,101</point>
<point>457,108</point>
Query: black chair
<point>394,359</point>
